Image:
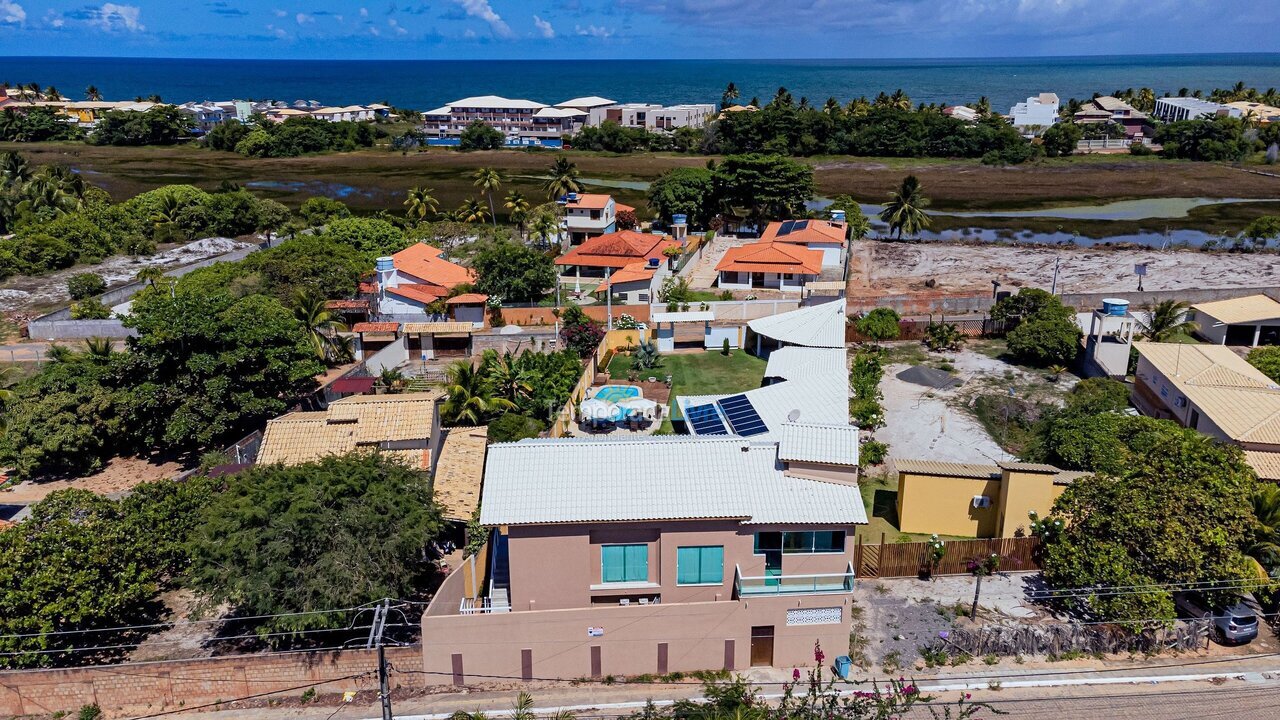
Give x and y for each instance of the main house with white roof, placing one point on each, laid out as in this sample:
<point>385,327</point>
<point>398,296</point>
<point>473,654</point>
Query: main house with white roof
<point>725,549</point>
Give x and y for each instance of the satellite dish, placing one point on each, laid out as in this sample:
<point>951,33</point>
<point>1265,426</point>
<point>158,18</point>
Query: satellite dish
<point>793,416</point>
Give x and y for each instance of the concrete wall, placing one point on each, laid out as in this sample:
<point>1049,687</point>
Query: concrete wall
<point>1022,493</point>
<point>944,505</point>
<point>389,357</point>
<point>543,340</point>
<point>78,329</point>
<point>158,686</point>
<point>631,640</point>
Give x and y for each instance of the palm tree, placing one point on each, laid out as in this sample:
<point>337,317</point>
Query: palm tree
<point>832,108</point>
<point>905,210</point>
<point>518,208</point>
<point>44,192</point>
<point>1166,321</point>
<point>91,93</point>
<point>167,212</point>
<point>983,106</point>
<point>506,379</point>
<point>471,399</point>
<point>489,180</point>
<point>563,180</point>
<point>33,89</point>
<point>309,309</point>
<point>8,378</point>
<point>1264,546</point>
<point>545,229</point>
<point>419,203</point>
<point>730,94</point>
<point>14,169</point>
<point>98,349</point>
<point>51,93</point>
<point>151,275</point>
<point>900,100</point>
<point>471,211</point>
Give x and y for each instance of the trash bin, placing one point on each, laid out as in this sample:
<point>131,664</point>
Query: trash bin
<point>843,664</point>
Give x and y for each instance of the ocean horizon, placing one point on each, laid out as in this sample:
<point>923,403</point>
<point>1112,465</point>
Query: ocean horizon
<point>426,84</point>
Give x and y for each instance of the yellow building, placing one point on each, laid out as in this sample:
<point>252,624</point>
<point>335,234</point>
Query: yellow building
<point>975,500</point>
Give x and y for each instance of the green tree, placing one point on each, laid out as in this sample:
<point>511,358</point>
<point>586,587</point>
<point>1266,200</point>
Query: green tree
<point>371,236</point>
<point>489,181</point>
<point>85,285</point>
<point>1120,530</point>
<point>505,376</point>
<point>322,325</point>
<point>513,272</point>
<point>730,94</point>
<point>879,325</point>
<point>471,211</point>
<point>513,427</point>
<point>480,136</point>
<point>419,203</point>
<point>1045,340</point>
<point>204,368</point>
<point>319,211</point>
<point>517,209</point>
<point>1267,360</point>
<point>1166,321</point>
<point>563,178</point>
<point>161,125</point>
<point>684,191</point>
<point>335,533</point>
<point>766,187</point>
<point>471,399</point>
<point>579,332</point>
<point>905,210</point>
<point>1262,230</point>
<point>1264,543</point>
<point>1060,140</point>
<point>92,94</point>
<point>1030,302</point>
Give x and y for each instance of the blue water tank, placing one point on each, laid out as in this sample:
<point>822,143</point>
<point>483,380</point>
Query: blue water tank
<point>386,264</point>
<point>679,219</point>
<point>1115,307</point>
<point>838,215</point>
<point>844,664</point>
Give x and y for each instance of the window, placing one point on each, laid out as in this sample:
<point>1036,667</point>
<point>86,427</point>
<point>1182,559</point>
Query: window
<point>702,565</point>
<point>805,542</point>
<point>624,563</point>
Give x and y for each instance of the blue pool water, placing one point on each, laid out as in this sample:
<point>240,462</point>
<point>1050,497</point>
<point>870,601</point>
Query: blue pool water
<point>617,393</point>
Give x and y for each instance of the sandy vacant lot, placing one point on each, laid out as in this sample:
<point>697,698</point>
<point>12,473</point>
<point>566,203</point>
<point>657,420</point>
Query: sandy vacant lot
<point>887,267</point>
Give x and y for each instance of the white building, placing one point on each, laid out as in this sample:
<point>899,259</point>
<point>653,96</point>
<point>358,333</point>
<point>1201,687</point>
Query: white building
<point>650,116</point>
<point>514,118</point>
<point>588,215</point>
<point>1038,111</point>
<point>678,116</point>
<point>1173,109</point>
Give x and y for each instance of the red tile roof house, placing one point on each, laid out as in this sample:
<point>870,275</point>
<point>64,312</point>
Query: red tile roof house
<point>636,258</point>
<point>413,278</point>
<point>825,235</point>
<point>588,215</point>
<point>769,265</point>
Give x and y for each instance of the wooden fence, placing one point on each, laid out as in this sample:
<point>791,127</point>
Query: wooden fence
<point>891,560</point>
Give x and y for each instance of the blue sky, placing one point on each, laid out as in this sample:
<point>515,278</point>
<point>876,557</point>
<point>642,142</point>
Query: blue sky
<point>480,29</point>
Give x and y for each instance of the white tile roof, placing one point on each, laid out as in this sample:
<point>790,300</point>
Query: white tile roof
<point>495,101</point>
<point>551,112</point>
<point>833,444</point>
<point>607,480</point>
<point>814,326</point>
<point>590,101</point>
<point>796,363</point>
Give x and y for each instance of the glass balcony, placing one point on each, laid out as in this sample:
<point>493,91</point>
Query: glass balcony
<point>818,584</point>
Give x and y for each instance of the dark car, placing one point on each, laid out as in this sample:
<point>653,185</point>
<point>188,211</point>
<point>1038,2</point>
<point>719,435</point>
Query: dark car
<point>1233,621</point>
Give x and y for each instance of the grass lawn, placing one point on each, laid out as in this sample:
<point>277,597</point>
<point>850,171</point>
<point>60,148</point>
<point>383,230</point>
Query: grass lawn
<point>701,373</point>
<point>880,496</point>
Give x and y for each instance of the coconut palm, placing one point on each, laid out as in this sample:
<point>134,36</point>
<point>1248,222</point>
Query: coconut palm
<point>470,400</point>
<point>167,212</point>
<point>507,380</point>
<point>545,229</point>
<point>91,93</point>
<point>472,210</point>
<point>905,210</point>
<point>900,100</point>
<point>730,94</point>
<point>419,203</point>
<point>518,209</point>
<point>1166,321</point>
<point>14,168</point>
<point>564,179</point>
<point>51,93</point>
<point>983,106</point>
<point>44,192</point>
<point>309,309</point>
<point>1264,545</point>
<point>832,108</point>
<point>98,349</point>
<point>489,181</point>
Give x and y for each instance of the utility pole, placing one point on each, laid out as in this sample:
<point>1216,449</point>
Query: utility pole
<point>1054,289</point>
<point>376,629</point>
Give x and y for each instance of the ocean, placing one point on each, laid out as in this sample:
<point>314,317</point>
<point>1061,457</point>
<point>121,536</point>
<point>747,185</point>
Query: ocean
<point>427,84</point>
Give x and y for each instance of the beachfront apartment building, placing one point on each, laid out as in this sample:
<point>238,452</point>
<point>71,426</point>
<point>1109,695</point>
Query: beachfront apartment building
<point>1174,109</point>
<point>517,119</point>
<point>1257,112</point>
<point>725,550</point>
<point>1038,111</point>
<point>652,116</point>
<point>1107,109</point>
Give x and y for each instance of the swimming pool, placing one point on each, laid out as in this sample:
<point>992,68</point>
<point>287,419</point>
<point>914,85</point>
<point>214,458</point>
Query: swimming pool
<point>617,393</point>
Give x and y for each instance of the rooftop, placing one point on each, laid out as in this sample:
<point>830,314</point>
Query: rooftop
<point>617,249</point>
<point>456,485</point>
<point>771,257</point>
<point>589,201</point>
<point>496,102</point>
<point>980,471</point>
<point>536,482</point>
<point>814,326</point>
<point>827,444</point>
<point>804,231</point>
<point>1231,393</point>
<point>1252,308</point>
<point>590,101</point>
<point>352,423</point>
<point>424,262</point>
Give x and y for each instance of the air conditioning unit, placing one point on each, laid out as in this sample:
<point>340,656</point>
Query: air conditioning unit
<point>981,501</point>
<point>1180,402</point>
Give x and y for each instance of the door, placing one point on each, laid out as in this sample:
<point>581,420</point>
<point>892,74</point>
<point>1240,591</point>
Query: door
<point>761,645</point>
<point>757,279</point>
<point>772,567</point>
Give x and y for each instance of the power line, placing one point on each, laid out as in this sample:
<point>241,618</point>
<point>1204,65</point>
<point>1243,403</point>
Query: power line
<point>149,641</point>
<point>250,697</point>
<point>183,623</point>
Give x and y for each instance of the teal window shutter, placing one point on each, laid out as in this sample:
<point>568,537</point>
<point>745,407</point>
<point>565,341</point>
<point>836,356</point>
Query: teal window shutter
<point>700,565</point>
<point>637,563</point>
<point>613,563</point>
<point>713,564</point>
<point>688,560</point>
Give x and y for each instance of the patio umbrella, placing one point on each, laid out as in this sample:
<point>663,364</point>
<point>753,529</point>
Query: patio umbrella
<point>598,410</point>
<point>640,405</point>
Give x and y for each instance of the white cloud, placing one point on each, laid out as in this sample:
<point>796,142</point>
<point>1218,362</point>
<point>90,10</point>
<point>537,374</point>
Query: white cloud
<point>303,18</point>
<point>280,13</point>
<point>469,34</point>
<point>278,32</point>
<point>11,13</point>
<point>364,12</point>
<point>112,17</point>
<point>396,26</point>
<point>594,31</point>
<point>375,31</point>
<point>544,27</point>
<point>482,10</point>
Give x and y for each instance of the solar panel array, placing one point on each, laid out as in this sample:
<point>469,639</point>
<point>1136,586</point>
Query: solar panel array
<point>790,226</point>
<point>742,416</point>
<point>705,420</point>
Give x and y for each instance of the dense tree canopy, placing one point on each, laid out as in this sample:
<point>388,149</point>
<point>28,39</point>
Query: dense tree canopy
<point>1218,139</point>
<point>686,191</point>
<point>479,135</point>
<point>296,136</point>
<point>764,187</point>
<point>1046,333</point>
<point>513,272</point>
<point>161,125</point>
<point>325,535</point>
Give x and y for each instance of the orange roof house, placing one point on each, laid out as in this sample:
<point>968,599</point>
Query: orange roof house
<point>634,273</point>
<point>467,299</point>
<point>425,294</point>
<point>422,262</point>
<point>589,201</point>
<point>617,250</point>
<point>804,232</point>
<point>771,257</point>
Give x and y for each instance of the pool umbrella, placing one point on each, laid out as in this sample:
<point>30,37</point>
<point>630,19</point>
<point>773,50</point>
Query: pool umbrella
<point>598,410</point>
<point>640,405</point>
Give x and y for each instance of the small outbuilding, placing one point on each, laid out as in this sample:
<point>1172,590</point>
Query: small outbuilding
<point>1249,321</point>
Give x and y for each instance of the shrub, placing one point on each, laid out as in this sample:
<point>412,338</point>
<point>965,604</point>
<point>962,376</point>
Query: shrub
<point>514,426</point>
<point>480,136</point>
<point>1045,341</point>
<point>84,285</point>
<point>90,309</point>
<point>872,452</point>
<point>880,324</point>
<point>939,336</point>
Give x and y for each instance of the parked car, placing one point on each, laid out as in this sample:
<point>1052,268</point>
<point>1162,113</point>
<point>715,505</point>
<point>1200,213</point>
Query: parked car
<point>1233,621</point>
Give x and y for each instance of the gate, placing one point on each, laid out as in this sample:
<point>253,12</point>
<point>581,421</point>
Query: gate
<point>866,560</point>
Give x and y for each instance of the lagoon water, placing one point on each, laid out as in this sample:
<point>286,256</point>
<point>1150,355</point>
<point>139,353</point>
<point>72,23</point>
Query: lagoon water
<point>426,84</point>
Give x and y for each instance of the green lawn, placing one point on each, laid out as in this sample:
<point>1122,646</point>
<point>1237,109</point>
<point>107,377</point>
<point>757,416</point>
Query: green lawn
<point>702,373</point>
<point>880,496</point>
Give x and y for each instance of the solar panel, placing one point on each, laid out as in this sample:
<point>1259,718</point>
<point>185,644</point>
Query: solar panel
<point>786,228</point>
<point>800,225</point>
<point>742,416</point>
<point>705,420</point>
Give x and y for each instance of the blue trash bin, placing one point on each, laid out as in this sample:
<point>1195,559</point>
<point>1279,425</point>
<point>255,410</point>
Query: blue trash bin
<point>843,665</point>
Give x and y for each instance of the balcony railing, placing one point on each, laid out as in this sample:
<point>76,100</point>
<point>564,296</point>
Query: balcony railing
<point>476,606</point>
<point>816,584</point>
